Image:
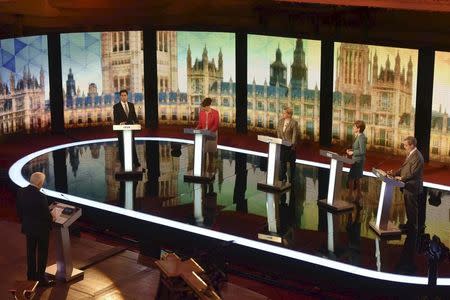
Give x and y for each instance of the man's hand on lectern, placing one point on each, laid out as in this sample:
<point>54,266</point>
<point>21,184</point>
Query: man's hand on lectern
<point>123,123</point>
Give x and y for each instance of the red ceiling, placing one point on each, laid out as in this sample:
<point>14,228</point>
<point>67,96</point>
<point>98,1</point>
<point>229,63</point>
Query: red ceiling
<point>425,5</point>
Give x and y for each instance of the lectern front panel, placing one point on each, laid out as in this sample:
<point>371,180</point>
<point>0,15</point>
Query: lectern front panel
<point>198,153</point>
<point>127,151</point>
<point>274,157</point>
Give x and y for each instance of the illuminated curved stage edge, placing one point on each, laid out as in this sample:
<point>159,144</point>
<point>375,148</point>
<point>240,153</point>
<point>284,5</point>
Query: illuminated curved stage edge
<point>16,176</point>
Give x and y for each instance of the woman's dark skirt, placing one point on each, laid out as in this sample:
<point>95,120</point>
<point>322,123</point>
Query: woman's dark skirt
<point>356,170</point>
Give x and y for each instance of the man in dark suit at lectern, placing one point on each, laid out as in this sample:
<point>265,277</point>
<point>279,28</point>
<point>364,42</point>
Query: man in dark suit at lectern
<point>36,219</point>
<point>411,173</point>
<point>124,113</point>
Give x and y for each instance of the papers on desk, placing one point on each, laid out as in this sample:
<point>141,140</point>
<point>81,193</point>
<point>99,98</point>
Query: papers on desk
<point>57,215</point>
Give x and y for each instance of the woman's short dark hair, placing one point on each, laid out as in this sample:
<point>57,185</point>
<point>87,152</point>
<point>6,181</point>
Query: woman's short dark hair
<point>123,91</point>
<point>206,102</point>
<point>361,125</point>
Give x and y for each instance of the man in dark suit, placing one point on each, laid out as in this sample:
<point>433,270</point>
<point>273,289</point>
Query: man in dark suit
<point>287,130</point>
<point>36,219</point>
<point>124,113</point>
<point>411,173</point>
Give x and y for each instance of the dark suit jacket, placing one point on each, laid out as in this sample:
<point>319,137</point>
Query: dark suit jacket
<point>120,115</point>
<point>33,211</point>
<point>291,132</point>
<point>412,172</point>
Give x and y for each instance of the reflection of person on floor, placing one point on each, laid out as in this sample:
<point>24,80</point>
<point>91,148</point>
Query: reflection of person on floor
<point>354,235</point>
<point>209,120</point>
<point>124,113</point>
<point>406,263</point>
<point>411,173</point>
<point>358,152</point>
<point>287,130</point>
<point>36,219</point>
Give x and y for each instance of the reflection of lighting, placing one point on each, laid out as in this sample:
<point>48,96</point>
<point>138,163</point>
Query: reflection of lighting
<point>175,149</point>
<point>435,197</point>
<point>16,176</point>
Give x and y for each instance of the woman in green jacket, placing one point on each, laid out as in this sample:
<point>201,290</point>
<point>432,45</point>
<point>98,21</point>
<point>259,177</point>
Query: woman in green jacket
<point>358,152</point>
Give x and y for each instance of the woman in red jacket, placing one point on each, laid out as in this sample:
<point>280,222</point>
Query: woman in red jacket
<point>209,120</point>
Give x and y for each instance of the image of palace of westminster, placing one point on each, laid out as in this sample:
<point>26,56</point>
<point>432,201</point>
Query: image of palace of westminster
<point>382,97</point>
<point>364,89</point>
<point>23,106</point>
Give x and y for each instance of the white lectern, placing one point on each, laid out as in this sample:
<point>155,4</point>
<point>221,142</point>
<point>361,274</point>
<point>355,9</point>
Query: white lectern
<point>333,203</point>
<point>382,225</point>
<point>65,216</point>
<point>273,184</point>
<point>199,174</point>
<point>127,130</point>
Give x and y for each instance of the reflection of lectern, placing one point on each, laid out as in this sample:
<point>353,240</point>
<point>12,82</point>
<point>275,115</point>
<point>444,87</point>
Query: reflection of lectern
<point>273,183</point>
<point>330,226</point>
<point>65,216</point>
<point>205,204</point>
<point>332,202</point>
<point>383,226</point>
<point>273,219</point>
<point>199,174</point>
<point>127,193</point>
<point>198,204</point>
<point>127,130</point>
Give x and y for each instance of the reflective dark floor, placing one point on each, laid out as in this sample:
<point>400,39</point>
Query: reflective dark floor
<point>233,205</point>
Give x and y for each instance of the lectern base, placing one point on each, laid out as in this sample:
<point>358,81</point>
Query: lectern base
<point>206,177</point>
<point>391,229</point>
<point>271,237</point>
<point>337,206</point>
<point>279,187</point>
<point>133,175</point>
<point>52,271</point>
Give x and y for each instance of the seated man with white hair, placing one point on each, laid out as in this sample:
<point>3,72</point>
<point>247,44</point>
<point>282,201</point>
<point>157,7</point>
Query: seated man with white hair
<point>36,219</point>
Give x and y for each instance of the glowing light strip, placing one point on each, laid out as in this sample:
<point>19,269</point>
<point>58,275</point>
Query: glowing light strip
<point>16,176</point>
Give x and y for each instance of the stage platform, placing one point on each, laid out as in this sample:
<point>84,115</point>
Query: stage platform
<point>111,271</point>
<point>232,209</point>
<point>19,145</point>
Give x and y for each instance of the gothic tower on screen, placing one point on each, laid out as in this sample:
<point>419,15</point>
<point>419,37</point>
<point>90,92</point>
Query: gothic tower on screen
<point>299,70</point>
<point>123,61</point>
<point>375,92</point>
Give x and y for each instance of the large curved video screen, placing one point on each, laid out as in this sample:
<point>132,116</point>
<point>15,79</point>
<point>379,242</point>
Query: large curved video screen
<point>24,85</point>
<point>283,72</point>
<point>440,122</point>
<point>95,67</point>
<point>375,84</point>
<point>192,66</point>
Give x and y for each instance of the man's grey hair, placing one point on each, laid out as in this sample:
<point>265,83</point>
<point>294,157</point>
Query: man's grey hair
<point>411,140</point>
<point>37,179</point>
